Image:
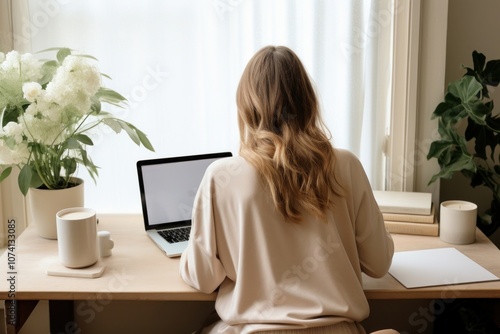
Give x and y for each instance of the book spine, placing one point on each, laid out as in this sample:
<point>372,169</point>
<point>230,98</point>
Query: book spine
<point>429,219</point>
<point>412,228</point>
<point>404,210</point>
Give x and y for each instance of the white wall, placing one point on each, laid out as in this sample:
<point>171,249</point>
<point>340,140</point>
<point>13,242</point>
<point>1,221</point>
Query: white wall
<point>472,25</point>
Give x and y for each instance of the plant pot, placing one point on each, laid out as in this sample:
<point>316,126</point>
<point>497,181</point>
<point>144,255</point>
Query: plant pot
<point>43,204</point>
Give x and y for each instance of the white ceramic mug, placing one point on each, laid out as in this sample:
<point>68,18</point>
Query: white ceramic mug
<point>105,243</point>
<point>77,237</point>
<point>458,222</point>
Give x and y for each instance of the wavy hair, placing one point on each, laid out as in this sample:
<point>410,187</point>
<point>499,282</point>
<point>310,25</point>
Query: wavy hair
<point>283,136</point>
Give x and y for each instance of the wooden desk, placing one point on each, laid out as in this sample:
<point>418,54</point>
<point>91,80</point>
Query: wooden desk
<point>483,251</point>
<point>139,271</point>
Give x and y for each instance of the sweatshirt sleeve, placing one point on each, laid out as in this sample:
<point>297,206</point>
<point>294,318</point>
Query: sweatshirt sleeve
<point>200,266</point>
<point>375,245</point>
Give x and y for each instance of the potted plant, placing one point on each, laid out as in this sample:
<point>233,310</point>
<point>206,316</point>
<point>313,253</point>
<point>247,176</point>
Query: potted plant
<point>469,134</point>
<point>47,112</point>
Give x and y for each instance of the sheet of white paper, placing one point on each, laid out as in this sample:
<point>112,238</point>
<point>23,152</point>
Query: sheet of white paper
<point>439,266</point>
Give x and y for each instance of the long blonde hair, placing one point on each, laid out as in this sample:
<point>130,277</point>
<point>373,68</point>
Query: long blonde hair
<point>283,136</point>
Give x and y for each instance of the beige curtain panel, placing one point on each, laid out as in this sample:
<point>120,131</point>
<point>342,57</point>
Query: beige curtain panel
<point>6,37</point>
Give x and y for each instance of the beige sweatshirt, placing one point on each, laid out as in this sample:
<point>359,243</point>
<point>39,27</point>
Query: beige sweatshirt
<point>273,274</point>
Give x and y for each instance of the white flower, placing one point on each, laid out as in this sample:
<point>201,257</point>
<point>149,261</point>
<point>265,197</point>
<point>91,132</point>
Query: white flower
<point>18,155</point>
<point>31,91</point>
<point>13,130</point>
<point>44,125</point>
<point>31,68</point>
<point>44,131</point>
<point>74,83</point>
<point>11,61</point>
<point>13,150</point>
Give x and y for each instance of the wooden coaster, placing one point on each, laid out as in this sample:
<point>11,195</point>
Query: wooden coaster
<point>58,269</point>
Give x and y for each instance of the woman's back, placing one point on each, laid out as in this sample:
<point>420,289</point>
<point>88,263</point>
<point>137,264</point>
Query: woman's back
<point>275,274</point>
<point>285,229</point>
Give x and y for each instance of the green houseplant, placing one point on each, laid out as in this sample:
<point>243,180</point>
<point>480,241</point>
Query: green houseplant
<point>47,110</point>
<point>469,134</point>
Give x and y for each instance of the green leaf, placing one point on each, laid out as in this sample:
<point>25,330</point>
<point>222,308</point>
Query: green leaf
<point>459,163</point>
<point>51,49</point>
<point>49,68</point>
<point>88,56</point>
<point>96,105</point>
<point>5,173</point>
<point>451,99</point>
<point>69,165</point>
<point>438,148</point>
<point>478,59</point>
<point>110,96</point>
<point>24,179</point>
<point>493,122</point>
<point>144,140</point>
<point>84,139</point>
<point>451,110</point>
<point>113,124</point>
<point>72,143</point>
<point>446,129</point>
<point>106,76</point>
<point>491,74</point>
<point>475,178</point>
<point>131,133</point>
<point>87,162</point>
<point>62,54</point>
<point>477,111</point>
<point>36,181</point>
<point>483,136</point>
<point>465,89</point>
<point>441,109</point>
<point>142,136</point>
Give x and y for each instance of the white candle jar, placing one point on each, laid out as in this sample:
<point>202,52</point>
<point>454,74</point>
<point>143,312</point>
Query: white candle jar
<point>458,222</point>
<point>77,237</point>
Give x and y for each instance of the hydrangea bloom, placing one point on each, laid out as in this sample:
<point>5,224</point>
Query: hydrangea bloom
<point>43,123</point>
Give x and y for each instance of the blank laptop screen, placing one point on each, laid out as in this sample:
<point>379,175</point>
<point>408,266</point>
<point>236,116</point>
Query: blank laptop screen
<point>170,188</point>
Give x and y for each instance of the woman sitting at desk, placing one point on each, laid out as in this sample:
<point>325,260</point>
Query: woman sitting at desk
<point>284,230</point>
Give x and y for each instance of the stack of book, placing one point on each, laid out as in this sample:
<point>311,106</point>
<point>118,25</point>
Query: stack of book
<point>408,212</point>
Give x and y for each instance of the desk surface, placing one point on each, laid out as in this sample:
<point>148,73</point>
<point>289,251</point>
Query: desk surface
<point>138,270</point>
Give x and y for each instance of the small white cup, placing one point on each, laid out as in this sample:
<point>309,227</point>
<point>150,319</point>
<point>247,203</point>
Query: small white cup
<point>458,222</point>
<point>77,237</point>
<point>105,243</point>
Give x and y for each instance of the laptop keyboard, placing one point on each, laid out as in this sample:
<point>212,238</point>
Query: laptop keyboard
<point>176,235</point>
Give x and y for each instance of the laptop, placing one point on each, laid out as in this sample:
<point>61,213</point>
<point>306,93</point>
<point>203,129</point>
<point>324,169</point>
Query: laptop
<point>168,187</point>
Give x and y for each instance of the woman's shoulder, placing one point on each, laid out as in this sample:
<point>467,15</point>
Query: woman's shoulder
<point>235,161</point>
<point>235,165</point>
<point>345,155</point>
<point>233,173</point>
<point>347,163</point>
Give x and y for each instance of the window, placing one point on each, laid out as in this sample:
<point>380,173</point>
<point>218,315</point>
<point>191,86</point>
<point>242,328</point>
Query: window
<point>179,63</point>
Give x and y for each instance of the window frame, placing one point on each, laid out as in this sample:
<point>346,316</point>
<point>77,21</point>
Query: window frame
<point>402,139</point>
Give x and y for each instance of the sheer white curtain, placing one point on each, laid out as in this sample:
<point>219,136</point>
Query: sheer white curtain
<point>179,63</point>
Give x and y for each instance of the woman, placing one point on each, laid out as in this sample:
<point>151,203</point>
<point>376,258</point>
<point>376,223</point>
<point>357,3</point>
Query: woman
<point>284,230</point>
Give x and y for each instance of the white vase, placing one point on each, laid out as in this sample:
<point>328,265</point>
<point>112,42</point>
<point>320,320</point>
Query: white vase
<point>43,204</point>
